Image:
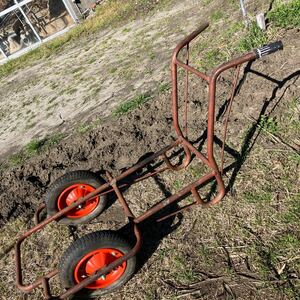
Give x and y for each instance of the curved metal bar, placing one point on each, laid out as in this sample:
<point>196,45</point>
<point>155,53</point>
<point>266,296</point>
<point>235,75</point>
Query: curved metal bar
<point>37,215</point>
<point>174,63</point>
<point>186,162</point>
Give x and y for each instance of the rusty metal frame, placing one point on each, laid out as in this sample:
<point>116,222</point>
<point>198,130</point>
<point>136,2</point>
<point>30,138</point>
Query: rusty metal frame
<point>115,185</point>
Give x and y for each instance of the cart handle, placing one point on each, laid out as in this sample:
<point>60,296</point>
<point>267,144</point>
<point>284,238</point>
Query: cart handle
<point>189,38</point>
<point>268,49</point>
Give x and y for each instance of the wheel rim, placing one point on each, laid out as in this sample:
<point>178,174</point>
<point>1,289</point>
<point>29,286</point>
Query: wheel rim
<point>72,194</point>
<point>96,260</point>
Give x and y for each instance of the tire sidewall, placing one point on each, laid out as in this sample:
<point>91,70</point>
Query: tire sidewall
<point>59,186</point>
<point>73,259</point>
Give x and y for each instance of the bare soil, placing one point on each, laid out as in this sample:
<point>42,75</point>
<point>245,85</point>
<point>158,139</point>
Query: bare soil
<point>220,253</point>
<point>91,77</point>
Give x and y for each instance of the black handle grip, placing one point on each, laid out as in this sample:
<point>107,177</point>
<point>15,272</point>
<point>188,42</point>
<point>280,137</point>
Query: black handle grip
<point>268,49</point>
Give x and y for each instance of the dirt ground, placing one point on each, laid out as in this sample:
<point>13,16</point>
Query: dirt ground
<point>92,77</point>
<point>245,248</point>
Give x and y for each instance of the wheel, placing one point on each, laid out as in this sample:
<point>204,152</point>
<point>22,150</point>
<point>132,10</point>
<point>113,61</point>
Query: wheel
<point>89,254</point>
<point>69,188</point>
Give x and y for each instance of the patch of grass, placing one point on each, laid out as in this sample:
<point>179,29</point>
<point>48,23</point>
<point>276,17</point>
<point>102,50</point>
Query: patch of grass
<point>286,14</point>
<point>212,58</point>
<point>292,216</point>
<point>206,2</point>
<point>164,87</point>
<point>53,139</point>
<point>34,147</point>
<point>113,70</point>
<point>92,60</point>
<point>254,197</point>
<point>54,85</point>
<point>268,124</point>
<point>87,126</point>
<point>178,184</point>
<point>71,91</point>
<point>196,171</point>
<point>84,128</point>
<point>254,38</point>
<point>30,125</point>
<point>294,157</point>
<point>183,273</point>
<point>216,16</point>
<point>76,70</point>
<point>131,104</point>
<point>233,29</point>
<point>16,159</point>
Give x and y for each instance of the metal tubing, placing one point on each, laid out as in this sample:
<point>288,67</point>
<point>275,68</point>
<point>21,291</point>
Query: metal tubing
<point>175,61</point>
<point>147,160</point>
<point>37,214</point>
<point>186,100</point>
<point>192,70</point>
<point>69,8</point>
<point>121,199</point>
<point>173,198</point>
<point>188,158</point>
<point>187,207</point>
<point>228,115</point>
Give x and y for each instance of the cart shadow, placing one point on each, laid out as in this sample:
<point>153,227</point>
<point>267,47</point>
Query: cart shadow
<point>255,130</point>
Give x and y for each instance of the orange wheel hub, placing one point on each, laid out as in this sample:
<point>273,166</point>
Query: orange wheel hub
<point>96,260</point>
<point>72,194</point>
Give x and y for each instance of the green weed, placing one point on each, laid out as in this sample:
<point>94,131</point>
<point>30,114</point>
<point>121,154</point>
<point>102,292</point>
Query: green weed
<point>196,171</point>
<point>254,38</point>
<point>212,58</point>
<point>53,139</point>
<point>87,126</point>
<point>268,124</point>
<point>254,197</point>
<point>84,128</point>
<point>292,216</point>
<point>295,158</point>
<point>178,184</point>
<point>286,14</point>
<point>16,159</point>
<point>216,16</point>
<point>206,2</point>
<point>34,147</point>
<point>131,104</point>
<point>164,87</point>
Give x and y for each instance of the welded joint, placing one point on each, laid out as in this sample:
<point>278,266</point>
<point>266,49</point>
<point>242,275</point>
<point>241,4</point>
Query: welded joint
<point>112,181</point>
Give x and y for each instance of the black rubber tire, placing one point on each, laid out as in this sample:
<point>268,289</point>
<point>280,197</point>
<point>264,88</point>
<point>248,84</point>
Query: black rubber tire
<point>68,179</point>
<point>90,242</point>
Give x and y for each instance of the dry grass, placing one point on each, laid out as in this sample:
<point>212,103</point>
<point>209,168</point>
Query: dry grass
<point>245,248</point>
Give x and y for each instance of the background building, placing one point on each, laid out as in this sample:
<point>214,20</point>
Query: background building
<point>24,24</point>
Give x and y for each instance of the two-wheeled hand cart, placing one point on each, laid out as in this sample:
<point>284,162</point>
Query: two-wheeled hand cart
<point>103,261</point>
